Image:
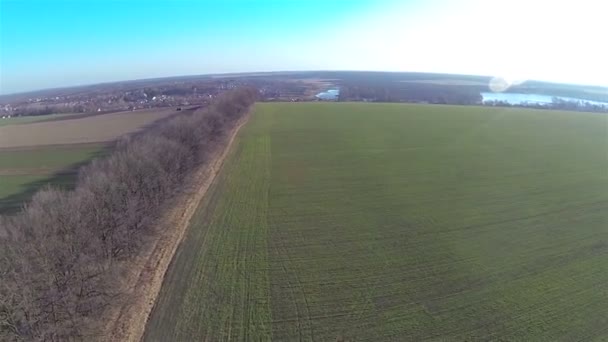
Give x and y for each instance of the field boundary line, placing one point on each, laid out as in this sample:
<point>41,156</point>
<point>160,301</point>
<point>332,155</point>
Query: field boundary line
<point>128,323</point>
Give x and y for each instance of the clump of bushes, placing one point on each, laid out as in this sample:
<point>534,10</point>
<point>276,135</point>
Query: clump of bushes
<point>63,257</point>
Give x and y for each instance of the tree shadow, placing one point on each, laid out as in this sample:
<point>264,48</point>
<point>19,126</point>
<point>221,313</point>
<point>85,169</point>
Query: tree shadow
<point>64,179</point>
<point>67,178</point>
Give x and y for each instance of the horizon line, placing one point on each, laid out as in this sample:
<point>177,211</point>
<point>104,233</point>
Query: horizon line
<point>245,73</point>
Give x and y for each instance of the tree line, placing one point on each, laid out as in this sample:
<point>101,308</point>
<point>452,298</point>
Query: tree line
<point>48,109</point>
<point>62,259</point>
<point>556,104</point>
<point>410,92</point>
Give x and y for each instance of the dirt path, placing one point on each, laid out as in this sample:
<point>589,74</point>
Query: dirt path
<point>145,280</point>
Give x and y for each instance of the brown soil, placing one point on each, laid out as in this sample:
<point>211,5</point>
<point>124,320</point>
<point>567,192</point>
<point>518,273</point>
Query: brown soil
<point>88,115</point>
<point>98,128</point>
<point>145,279</point>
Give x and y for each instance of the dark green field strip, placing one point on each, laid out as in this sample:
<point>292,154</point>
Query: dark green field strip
<point>400,222</point>
<point>48,157</point>
<point>10,185</point>
<point>217,286</point>
<point>22,120</point>
<point>15,191</point>
<point>24,171</point>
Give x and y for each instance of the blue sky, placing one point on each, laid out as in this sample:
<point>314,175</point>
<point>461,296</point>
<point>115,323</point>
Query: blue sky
<point>47,43</point>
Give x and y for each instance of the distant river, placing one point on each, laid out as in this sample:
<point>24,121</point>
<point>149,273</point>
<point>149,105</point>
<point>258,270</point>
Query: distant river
<point>331,94</point>
<point>535,99</point>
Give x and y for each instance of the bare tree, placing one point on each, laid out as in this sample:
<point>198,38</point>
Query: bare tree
<point>61,258</point>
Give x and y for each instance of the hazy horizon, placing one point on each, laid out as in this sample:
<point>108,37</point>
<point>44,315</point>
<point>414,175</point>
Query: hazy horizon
<point>83,43</point>
<point>248,73</point>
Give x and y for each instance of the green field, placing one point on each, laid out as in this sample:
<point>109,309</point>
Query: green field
<point>29,119</point>
<point>23,171</point>
<point>340,221</point>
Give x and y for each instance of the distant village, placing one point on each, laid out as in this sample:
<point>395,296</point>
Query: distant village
<point>295,87</point>
<point>136,95</point>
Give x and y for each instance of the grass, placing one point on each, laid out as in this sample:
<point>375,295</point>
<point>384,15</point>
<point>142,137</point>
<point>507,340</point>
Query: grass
<point>50,151</point>
<point>13,185</point>
<point>24,171</point>
<point>29,119</point>
<point>48,157</point>
<point>398,222</point>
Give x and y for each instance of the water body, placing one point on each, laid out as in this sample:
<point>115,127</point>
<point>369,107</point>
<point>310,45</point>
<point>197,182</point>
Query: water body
<point>331,94</point>
<point>533,99</point>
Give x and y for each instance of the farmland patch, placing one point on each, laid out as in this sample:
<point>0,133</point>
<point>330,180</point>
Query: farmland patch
<point>355,221</point>
<point>98,128</point>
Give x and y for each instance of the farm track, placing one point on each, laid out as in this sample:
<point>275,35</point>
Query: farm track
<point>146,274</point>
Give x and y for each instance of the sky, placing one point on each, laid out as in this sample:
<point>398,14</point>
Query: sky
<point>56,43</point>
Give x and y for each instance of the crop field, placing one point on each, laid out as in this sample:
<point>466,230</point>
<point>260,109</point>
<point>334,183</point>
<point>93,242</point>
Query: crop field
<point>29,119</point>
<point>23,171</point>
<point>344,221</point>
<point>99,128</point>
<point>35,151</point>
